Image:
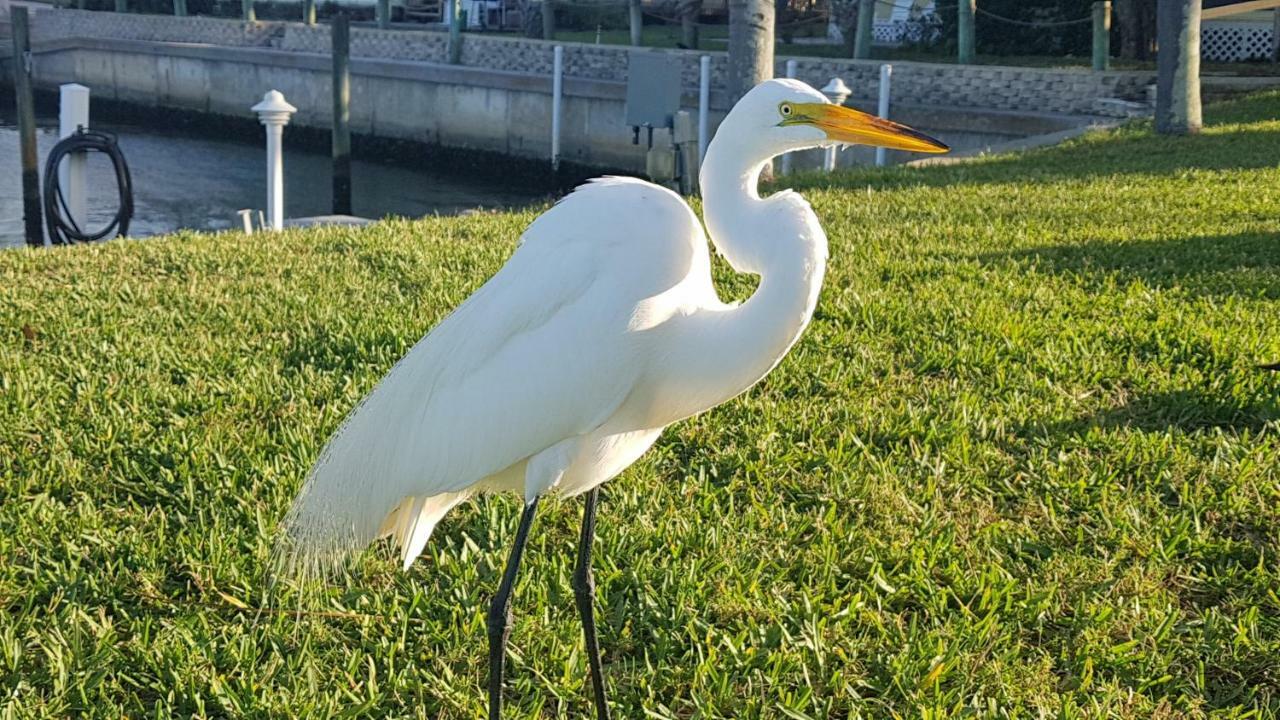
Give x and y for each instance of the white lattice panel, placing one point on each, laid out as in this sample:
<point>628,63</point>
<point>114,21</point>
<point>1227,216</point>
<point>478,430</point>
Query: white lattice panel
<point>887,33</point>
<point>903,25</point>
<point>1223,41</point>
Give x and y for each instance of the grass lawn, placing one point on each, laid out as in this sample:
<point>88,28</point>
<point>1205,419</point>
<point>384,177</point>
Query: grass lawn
<point>1021,465</point>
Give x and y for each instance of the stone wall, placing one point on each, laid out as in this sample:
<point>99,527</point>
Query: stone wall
<point>973,86</point>
<point>59,24</point>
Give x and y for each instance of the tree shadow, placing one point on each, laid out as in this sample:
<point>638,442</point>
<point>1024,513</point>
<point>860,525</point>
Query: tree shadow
<point>1243,264</point>
<point>1184,410</point>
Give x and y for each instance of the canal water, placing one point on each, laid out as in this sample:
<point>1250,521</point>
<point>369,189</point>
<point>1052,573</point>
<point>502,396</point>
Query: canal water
<point>181,180</point>
<point>186,179</point>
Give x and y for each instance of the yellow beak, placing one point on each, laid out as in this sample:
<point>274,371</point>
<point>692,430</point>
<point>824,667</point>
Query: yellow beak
<point>847,125</point>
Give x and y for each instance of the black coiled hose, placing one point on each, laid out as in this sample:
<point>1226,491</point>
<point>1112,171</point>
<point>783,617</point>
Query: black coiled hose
<point>63,228</point>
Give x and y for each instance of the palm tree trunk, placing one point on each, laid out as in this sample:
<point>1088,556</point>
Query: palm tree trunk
<point>1178,67</point>
<point>750,45</point>
<point>689,12</point>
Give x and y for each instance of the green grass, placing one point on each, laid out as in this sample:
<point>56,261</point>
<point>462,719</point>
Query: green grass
<point>1021,465</point>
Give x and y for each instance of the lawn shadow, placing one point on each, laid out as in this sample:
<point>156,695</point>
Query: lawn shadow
<point>1184,410</point>
<point>1243,264</point>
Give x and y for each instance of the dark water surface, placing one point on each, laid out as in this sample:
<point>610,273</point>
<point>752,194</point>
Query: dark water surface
<point>186,180</point>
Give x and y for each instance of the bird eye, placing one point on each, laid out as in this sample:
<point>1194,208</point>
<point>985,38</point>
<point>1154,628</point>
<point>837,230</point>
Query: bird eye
<point>785,110</point>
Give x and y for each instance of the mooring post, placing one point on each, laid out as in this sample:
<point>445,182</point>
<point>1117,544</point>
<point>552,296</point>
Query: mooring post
<point>685,137</point>
<point>273,112</point>
<point>882,109</point>
<point>341,115</point>
<point>557,97</point>
<point>384,14</point>
<point>26,107</point>
<point>689,10</point>
<point>73,114</point>
<point>548,20</point>
<point>837,92</point>
<point>965,30</point>
<point>786,157</point>
<point>180,8</point>
<point>637,22</point>
<point>455,32</point>
<point>864,33</point>
<point>704,105</point>
<point>1275,36</point>
<point>308,11</point>
<point>1102,35</point>
<point>246,10</point>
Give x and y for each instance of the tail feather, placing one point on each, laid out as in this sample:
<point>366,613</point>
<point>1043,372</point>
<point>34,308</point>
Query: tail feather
<point>313,545</point>
<point>421,521</point>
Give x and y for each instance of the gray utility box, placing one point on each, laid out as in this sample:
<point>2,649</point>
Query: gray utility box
<point>653,89</point>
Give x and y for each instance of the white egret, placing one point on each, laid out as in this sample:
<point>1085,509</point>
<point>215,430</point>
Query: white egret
<point>601,330</point>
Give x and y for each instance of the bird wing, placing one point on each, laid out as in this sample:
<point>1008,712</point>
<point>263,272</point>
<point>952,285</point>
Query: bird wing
<point>542,352</point>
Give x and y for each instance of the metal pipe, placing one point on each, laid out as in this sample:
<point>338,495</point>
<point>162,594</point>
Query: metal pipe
<point>704,105</point>
<point>786,157</point>
<point>886,75</point>
<point>557,97</point>
<point>341,140</point>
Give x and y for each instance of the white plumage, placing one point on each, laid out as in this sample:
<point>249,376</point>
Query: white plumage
<point>602,329</point>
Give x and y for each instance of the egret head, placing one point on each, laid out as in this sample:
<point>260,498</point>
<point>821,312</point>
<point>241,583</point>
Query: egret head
<point>780,116</point>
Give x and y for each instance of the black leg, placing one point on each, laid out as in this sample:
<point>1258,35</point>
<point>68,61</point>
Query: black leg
<point>584,591</point>
<point>500,614</point>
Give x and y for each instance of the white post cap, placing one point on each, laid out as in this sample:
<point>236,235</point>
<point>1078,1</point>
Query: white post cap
<point>837,91</point>
<point>273,110</point>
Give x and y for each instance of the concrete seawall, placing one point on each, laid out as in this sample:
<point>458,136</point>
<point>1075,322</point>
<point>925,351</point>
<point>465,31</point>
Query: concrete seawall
<point>423,102</point>
<point>499,98</point>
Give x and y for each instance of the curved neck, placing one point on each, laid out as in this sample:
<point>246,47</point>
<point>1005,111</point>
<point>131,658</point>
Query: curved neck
<point>777,238</point>
<point>729,179</point>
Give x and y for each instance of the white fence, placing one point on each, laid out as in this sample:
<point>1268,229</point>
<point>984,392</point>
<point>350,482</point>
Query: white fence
<point>1235,40</point>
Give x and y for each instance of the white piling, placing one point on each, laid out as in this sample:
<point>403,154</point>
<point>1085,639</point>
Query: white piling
<point>557,98</point>
<point>704,105</point>
<point>273,112</point>
<point>73,113</point>
<point>246,220</point>
<point>837,92</point>
<point>886,74</point>
<point>786,157</point>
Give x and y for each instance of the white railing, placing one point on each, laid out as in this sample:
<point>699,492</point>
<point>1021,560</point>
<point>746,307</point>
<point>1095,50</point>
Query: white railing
<point>1235,40</point>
